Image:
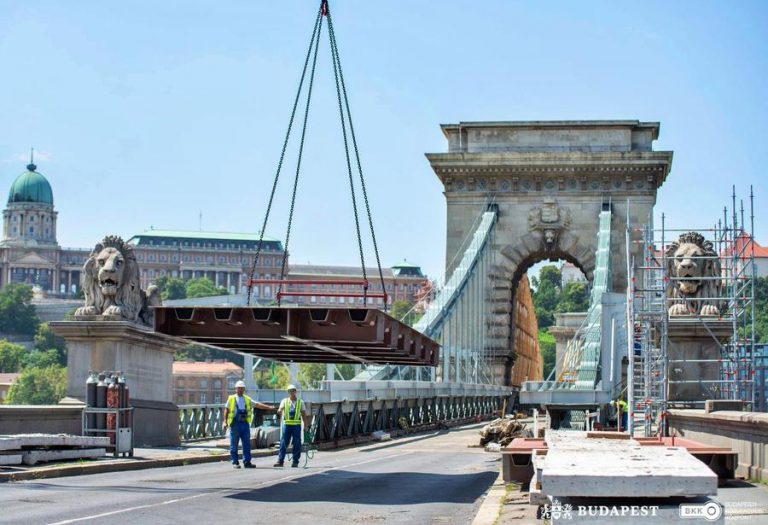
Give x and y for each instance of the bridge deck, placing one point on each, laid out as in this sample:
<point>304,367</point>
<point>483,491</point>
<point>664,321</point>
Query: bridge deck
<point>308,335</point>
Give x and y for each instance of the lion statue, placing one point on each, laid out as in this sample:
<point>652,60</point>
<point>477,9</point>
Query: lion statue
<point>694,277</point>
<point>110,282</point>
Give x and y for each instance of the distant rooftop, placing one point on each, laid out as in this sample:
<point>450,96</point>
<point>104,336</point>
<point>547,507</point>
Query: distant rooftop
<point>205,367</point>
<point>320,270</point>
<point>8,379</point>
<point>155,237</point>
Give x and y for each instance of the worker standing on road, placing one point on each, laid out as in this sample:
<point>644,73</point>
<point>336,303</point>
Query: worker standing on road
<point>622,413</point>
<point>238,414</point>
<point>292,411</point>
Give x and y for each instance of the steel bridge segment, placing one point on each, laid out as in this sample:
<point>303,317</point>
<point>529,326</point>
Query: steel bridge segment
<point>318,335</point>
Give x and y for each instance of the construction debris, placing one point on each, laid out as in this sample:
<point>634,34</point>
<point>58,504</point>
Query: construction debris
<point>30,449</point>
<point>503,431</point>
<point>380,435</point>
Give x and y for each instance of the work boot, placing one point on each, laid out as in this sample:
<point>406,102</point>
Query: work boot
<point>235,465</point>
<point>278,464</point>
<point>295,464</point>
<point>249,465</point>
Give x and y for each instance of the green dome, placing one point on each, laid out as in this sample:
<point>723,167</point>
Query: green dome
<point>30,186</point>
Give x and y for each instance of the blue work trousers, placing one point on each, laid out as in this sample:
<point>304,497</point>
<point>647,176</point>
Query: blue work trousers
<point>240,431</point>
<point>290,433</point>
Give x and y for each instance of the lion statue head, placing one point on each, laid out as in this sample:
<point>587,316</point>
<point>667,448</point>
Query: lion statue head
<point>111,285</point>
<point>694,276</point>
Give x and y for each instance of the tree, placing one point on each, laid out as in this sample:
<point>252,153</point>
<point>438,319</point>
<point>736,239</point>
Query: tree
<point>46,340</point>
<point>761,310</point>
<point>548,351</point>
<point>403,311</point>
<point>39,386</point>
<point>171,288</point>
<point>310,374</point>
<point>272,374</point>
<point>41,359</point>
<point>550,296</point>
<point>11,356</point>
<point>575,298</point>
<point>17,315</point>
<point>203,287</point>
<point>205,353</point>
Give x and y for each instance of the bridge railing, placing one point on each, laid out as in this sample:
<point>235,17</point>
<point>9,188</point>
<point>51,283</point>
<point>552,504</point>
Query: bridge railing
<point>198,422</point>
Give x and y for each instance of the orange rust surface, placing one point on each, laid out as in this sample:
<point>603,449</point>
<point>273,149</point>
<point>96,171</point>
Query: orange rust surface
<point>528,363</point>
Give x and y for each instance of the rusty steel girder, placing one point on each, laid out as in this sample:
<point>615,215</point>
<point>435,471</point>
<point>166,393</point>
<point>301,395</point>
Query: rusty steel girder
<point>306,335</point>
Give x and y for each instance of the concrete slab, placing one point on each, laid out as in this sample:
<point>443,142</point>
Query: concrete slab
<point>32,457</point>
<point>608,468</point>
<point>10,459</point>
<point>684,511</point>
<point>18,441</point>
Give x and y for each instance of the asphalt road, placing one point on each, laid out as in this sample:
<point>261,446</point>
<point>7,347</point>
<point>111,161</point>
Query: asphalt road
<point>430,478</point>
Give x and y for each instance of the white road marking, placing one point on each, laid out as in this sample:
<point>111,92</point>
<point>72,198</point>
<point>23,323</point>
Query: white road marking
<point>187,498</point>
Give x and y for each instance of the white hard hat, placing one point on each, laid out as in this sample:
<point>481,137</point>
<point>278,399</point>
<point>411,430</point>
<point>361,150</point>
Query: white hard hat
<point>291,387</point>
<point>240,384</point>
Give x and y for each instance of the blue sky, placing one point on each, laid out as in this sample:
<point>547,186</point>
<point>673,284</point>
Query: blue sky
<point>146,113</point>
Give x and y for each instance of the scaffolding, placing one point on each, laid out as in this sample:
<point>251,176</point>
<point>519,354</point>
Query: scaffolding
<point>649,302</point>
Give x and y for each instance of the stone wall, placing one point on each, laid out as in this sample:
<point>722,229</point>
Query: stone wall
<point>45,419</point>
<point>746,433</point>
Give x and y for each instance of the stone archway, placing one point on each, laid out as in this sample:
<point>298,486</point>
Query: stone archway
<point>549,182</point>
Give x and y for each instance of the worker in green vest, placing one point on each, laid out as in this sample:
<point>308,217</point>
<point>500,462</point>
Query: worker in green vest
<point>238,414</point>
<point>293,411</point>
<point>622,413</point>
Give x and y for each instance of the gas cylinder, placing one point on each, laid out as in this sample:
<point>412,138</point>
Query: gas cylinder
<point>127,404</point>
<point>113,401</point>
<point>101,400</point>
<point>90,397</point>
<point>121,398</point>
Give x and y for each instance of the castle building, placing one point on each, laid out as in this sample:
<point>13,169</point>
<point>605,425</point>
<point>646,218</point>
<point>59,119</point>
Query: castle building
<point>30,254</point>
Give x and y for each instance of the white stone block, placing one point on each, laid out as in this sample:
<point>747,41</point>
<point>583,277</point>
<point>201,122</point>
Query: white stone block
<point>31,457</point>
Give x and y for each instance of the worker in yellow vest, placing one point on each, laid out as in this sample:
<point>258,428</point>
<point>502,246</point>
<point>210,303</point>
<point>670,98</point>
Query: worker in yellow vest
<point>622,413</point>
<point>238,414</point>
<point>293,411</point>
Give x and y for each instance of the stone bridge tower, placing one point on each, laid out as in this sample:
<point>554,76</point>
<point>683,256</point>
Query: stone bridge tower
<point>550,180</point>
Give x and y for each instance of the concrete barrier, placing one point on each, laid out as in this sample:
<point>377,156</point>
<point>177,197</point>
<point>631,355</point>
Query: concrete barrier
<point>46,419</point>
<point>746,433</point>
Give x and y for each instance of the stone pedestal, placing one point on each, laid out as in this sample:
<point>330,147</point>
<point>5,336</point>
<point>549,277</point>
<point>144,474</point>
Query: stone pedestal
<point>694,351</point>
<point>146,359</point>
<point>564,329</point>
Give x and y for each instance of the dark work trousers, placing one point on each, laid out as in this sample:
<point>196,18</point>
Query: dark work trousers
<point>240,431</point>
<point>290,433</point>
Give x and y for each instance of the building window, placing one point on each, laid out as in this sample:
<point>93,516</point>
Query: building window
<point>203,383</point>
<point>323,299</point>
<point>231,382</point>
<point>180,383</point>
<point>222,259</point>
<point>217,398</point>
<point>198,258</point>
<point>313,299</point>
<point>203,398</point>
<point>180,399</point>
<point>163,258</point>
<point>31,230</point>
<point>217,384</point>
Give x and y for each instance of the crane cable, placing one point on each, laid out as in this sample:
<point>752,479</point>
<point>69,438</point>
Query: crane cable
<point>343,105</point>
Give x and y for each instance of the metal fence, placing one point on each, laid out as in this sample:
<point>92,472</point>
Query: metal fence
<point>333,420</point>
<point>201,422</point>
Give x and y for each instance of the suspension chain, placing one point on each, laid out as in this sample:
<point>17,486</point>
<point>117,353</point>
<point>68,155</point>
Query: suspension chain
<point>298,162</point>
<point>335,53</point>
<point>282,155</point>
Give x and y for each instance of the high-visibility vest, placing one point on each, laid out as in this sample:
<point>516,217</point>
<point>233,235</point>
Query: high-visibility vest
<point>232,406</point>
<point>623,406</point>
<point>286,406</point>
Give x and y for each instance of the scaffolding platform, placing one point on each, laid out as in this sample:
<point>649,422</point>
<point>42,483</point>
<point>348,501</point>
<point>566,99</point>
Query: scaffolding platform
<point>300,334</point>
